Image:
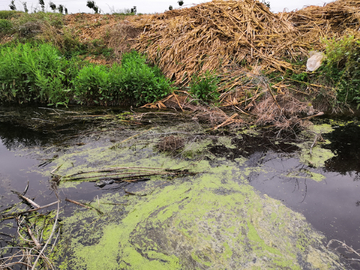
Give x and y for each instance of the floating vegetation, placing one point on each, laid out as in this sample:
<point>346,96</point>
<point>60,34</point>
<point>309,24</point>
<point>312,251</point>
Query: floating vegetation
<point>37,233</point>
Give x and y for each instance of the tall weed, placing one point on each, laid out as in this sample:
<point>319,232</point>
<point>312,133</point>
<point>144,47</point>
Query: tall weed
<point>342,68</point>
<point>35,73</point>
<point>205,87</point>
<point>93,85</point>
<point>140,82</point>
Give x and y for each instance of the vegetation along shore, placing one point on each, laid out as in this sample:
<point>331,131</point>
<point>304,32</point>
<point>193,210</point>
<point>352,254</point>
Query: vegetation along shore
<point>236,62</point>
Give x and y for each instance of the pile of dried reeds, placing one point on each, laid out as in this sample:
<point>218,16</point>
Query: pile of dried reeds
<point>214,36</point>
<point>218,34</point>
<point>226,36</point>
<point>333,20</point>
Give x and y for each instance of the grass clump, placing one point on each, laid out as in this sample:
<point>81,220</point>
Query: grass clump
<point>35,73</point>
<point>6,27</point>
<point>342,68</point>
<point>205,87</point>
<point>54,19</point>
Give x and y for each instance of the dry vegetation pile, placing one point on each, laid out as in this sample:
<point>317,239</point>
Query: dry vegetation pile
<point>334,19</point>
<point>230,36</point>
<point>218,34</point>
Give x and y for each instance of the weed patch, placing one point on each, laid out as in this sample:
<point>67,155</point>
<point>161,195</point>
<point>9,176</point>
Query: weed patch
<point>140,82</point>
<point>342,68</point>
<point>34,73</point>
<point>6,27</point>
<point>205,87</point>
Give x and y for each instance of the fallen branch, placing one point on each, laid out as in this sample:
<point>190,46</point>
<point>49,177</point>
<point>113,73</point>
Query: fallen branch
<point>85,206</point>
<point>346,247</point>
<point>29,211</point>
<point>121,175</point>
<point>77,203</point>
<point>34,204</point>
<point>226,122</point>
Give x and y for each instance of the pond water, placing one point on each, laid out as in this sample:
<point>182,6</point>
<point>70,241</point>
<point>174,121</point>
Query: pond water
<point>328,196</point>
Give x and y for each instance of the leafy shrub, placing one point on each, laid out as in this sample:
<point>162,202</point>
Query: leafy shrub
<point>35,73</point>
<point>5,26</point>
<point>94,84</point>
<point>342,68</point>
<point>205,87</point>
<point>140,82</point>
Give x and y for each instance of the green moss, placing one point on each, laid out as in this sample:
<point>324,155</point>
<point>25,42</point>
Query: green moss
<point>311,151</point>
<point>319,129</point>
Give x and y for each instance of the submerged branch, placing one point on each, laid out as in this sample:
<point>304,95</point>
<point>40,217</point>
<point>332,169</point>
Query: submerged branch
<point>85,206</point>
<point>123,174</point>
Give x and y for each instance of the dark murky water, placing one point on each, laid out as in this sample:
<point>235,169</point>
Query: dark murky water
<point>332,205</point>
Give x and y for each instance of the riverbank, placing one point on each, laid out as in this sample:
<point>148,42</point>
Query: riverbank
<point>239,57</point>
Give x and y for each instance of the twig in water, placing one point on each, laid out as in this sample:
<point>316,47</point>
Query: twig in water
<point>132,137</point>
<point>29,211</point>
<point>131,193</point>
<point>26,188</point>
<point>34,204</point>
<point>346,247</point>
<point>311,147</point>
<point>50,237</point>
<point>85,206</point>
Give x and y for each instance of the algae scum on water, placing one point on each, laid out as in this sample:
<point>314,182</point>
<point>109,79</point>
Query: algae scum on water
<point>209,219</point>
<point>190,208</point>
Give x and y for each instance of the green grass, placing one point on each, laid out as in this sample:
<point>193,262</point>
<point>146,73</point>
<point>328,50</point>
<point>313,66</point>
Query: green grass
<point>8,14</point>
<point>40,73</point>
<point>35,73</point>
<point>54,19</point>
<point>6,27</point>
<point>342,68</point>
<point>133,82</point>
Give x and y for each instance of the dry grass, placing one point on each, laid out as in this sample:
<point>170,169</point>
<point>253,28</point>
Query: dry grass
<point>122,37</point>
<point>171,143</point>
<point>229,37</point>
<point>215,35</point>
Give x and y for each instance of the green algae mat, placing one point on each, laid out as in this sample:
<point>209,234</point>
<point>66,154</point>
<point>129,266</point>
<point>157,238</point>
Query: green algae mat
<point>209,218</point>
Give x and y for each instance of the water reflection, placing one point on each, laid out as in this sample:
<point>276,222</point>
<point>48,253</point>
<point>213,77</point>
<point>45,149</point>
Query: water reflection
<point>13,137</point>
<point>345,143</point>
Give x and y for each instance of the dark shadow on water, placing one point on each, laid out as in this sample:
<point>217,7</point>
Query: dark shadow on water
<point>345,143</point>
<point>247,145</point>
